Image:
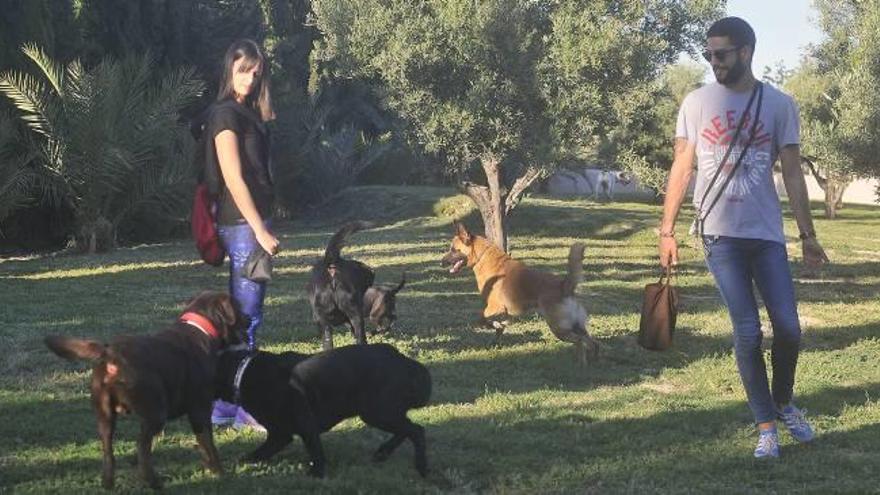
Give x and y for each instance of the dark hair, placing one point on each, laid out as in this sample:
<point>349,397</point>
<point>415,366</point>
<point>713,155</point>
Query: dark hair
<point>738,30</point>
<point>261,99</point>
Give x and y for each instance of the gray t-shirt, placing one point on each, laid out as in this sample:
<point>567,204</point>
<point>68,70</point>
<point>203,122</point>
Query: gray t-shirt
<point>749,207</point>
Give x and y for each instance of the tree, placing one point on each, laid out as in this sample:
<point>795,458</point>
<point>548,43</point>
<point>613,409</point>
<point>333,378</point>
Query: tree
<point>510,86</point>
<point>859,101</point>
<point>17,175</point>
<point>106,143</point>
<point>643,148</point>
<point>839,98</point>
<point>288,43</point>
<point>48,23</point>
<point>823,142</point>
<point>327,143</point>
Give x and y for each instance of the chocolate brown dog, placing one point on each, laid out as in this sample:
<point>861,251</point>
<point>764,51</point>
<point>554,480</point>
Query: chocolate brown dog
<point>306,395</point>
<point>159,377</point>
<point>510,288</point>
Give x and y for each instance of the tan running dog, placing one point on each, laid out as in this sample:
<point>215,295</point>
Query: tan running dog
<point>511,288</point>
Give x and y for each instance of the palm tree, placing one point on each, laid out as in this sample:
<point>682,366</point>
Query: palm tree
<point>107,142</point>
<point>17,175</point>
<point>329,139</point>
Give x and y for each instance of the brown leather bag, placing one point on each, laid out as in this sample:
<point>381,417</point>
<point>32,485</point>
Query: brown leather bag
<point>659,310</point>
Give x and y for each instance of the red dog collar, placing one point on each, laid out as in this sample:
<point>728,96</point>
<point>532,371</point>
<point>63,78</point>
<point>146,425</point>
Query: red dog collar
<point>201,323</point>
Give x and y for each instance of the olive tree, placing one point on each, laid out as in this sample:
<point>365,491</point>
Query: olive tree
<point>508,87</point>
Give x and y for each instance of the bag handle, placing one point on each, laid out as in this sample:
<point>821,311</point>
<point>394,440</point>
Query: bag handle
<point>667,274</point>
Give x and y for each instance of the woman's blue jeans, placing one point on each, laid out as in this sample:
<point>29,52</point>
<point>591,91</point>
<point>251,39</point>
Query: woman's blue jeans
<point>736,264</point>
<point>240,241</point>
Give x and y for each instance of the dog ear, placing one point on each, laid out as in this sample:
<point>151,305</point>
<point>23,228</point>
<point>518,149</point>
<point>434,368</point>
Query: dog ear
<point>462,232</point>
<point>225,309</point>
<point>192,299</point>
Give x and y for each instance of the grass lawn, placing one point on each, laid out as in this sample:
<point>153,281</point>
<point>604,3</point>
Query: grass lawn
<point>520,417</point>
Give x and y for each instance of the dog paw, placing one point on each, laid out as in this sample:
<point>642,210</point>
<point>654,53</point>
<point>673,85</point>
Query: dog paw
<point>483,323</point>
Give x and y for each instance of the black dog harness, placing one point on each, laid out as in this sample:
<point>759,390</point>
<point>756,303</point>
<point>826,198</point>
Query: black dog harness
<point>239,374</point>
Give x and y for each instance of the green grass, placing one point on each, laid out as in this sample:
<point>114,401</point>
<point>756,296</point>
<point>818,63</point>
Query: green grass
<point>521,417</point>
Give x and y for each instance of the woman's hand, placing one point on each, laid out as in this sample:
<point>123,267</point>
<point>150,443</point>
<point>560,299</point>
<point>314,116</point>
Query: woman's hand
<point>267,241</point>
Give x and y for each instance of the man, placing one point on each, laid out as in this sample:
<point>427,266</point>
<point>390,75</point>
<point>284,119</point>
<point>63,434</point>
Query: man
<point>742,233</point>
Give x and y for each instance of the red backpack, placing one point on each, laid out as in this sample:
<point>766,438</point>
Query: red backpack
<point>204,227</point>
<point>203,222</point>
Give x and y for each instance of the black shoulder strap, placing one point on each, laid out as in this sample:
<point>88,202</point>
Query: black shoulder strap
<point>702,215</point>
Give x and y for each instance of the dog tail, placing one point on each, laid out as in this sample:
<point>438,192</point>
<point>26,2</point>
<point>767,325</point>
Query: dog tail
<point>575,269</point>
<point>332,253</point>
<point>72,349</point>
<point>400,285</point>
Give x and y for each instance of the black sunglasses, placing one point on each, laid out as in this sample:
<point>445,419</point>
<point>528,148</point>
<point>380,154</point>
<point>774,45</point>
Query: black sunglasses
<point>720,53</point>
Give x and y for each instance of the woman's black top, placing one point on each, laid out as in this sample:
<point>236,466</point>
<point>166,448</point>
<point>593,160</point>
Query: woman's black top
<point>253,148</point>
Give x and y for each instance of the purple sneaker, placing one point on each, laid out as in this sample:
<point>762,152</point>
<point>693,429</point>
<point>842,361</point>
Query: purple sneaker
<point>244,420</point>
<point>223,413</point>
<point>768,444</point>
<point>797,424</point>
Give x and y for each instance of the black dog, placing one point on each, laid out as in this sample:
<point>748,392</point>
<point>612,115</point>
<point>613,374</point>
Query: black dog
<point>293,393</point>
<point>159,377</point>
<point>336,289</point>
<point>380,305</point>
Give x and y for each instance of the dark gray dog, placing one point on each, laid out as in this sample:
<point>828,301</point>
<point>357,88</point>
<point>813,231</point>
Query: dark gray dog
<point>380,305</point>
<point>336,289</point>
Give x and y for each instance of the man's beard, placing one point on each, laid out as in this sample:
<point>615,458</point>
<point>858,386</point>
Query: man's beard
<point>734,74</point>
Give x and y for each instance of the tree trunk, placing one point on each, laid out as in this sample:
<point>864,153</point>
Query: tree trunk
<point>522,183</point>
<point>830,204</point>
<point>495,202</point>
<point>834,189</point>
<point>833,185</point>
<point>95,236</point>
<point>490,201</point>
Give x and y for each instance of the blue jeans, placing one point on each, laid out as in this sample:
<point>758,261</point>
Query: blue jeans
<point>736,264</point>
<point>240,241</point>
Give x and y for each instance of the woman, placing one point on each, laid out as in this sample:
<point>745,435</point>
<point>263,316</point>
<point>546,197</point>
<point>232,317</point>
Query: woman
<point>236,125</point>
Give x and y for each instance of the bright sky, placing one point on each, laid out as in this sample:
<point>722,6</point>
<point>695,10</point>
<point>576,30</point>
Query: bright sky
<point>783,29</point>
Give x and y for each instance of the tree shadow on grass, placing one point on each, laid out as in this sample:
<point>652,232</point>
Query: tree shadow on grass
<point>537,361</point>
<point>684,446</point>
<point>837,338</point>
<point>521,444</point>
<point>687,446</point>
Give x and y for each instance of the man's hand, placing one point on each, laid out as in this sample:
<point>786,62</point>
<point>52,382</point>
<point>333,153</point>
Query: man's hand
<point>668,251</point>
<point>676,187</point>
<point>814,255</point>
